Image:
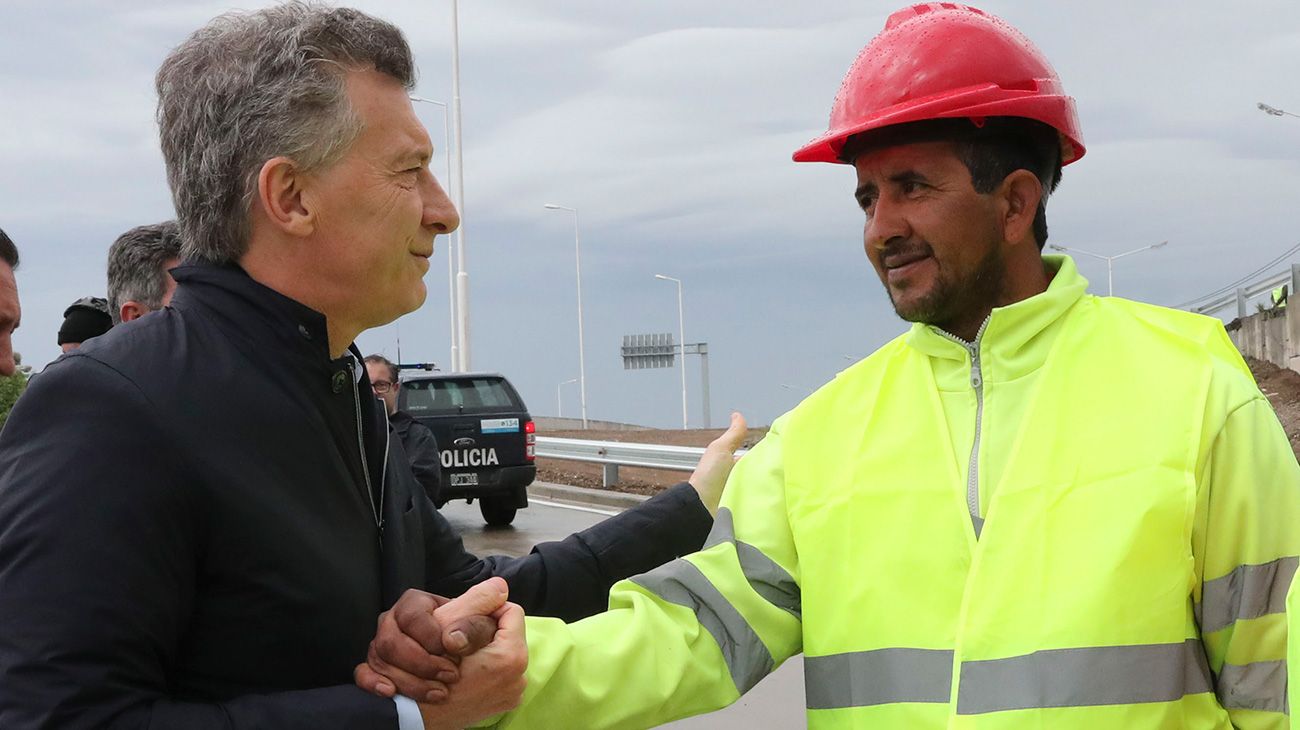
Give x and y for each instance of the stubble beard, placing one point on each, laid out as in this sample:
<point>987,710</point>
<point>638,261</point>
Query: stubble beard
<point>948,300</point>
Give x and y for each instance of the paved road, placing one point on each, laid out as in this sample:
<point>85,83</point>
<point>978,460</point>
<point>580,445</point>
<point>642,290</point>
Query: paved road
<point>776,703</point>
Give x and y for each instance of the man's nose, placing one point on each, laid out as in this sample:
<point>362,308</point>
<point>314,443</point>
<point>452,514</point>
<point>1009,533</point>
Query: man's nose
<point>887,222</point>
<point>440,213</point>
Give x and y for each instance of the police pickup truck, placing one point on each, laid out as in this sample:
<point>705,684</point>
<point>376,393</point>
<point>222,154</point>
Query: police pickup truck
<point>485,438</point>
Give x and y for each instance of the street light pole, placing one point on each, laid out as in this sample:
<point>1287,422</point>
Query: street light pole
<point>681,332</point>
<point>582,358</point>
<point>462,276</point>
<point>451,246</point>
<point>559,404</point>
<point>1274,111</point>
<point>1110,267</point>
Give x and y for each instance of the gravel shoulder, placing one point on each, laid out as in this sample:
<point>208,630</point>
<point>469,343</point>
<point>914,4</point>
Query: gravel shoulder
<point>1281,386</point>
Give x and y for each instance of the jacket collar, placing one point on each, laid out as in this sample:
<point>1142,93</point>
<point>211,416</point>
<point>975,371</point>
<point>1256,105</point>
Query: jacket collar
<point>229,295</point>
<point>1016,338</point>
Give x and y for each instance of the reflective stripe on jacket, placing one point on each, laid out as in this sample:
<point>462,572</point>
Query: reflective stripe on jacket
<point>1103,541</point>
<point>1293,648</point>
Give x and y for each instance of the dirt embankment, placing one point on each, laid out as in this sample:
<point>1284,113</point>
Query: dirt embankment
<point>1282,387</point>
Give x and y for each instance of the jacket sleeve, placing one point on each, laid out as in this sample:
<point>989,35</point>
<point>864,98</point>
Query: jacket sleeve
<point>1245,545</point>
<point>98,540</point>
<point>570,579</point>
<point>688,637</point>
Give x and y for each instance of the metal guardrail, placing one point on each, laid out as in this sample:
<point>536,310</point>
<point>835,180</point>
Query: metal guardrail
<point>613,454</point>
<point>1245,293</point>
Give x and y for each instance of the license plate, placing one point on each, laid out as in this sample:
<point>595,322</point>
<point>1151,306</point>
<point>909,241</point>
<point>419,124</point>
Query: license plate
<point>464,480</point>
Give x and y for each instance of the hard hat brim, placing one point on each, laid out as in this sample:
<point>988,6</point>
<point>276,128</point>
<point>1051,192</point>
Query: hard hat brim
<point>980,102</point>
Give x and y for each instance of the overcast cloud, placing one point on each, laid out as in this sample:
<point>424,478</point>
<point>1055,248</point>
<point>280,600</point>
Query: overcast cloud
<point>670,125</point>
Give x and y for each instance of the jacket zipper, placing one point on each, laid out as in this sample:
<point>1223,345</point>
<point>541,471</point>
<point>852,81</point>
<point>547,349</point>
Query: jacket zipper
<point>365,465</point>
<point>383,470</point>
<point>977,383</point>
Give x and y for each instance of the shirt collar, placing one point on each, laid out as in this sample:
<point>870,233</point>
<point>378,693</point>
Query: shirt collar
<point>1014,338</point>
<point>257,311</point>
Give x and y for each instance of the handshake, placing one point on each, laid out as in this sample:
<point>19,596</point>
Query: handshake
<point>461,660</point>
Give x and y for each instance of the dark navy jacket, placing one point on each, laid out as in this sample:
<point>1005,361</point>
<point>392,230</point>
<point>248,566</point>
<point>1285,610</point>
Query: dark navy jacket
<point>421,448</point>
<point>188,532</point>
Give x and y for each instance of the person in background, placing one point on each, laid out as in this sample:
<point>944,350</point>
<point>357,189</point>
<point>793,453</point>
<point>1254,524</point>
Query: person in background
<point>139,262</point>
<point>417,440</point>
<point>84,319</point>
<point>11,312</point>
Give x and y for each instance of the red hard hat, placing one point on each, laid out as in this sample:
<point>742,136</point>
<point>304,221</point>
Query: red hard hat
<point>943,60</point>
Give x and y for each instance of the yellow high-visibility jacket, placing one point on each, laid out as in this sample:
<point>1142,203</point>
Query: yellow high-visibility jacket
<point>1086,519</point>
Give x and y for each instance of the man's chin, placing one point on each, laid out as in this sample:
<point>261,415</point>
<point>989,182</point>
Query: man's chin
<point>915,315</point>
<point>925,312</point>
<point>912,306</point>
<point>413,301</point>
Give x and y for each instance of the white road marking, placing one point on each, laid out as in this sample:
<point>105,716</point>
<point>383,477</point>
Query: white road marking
<point>608,513</point>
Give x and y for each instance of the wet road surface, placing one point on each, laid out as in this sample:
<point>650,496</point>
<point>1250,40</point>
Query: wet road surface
<point>777,703</point>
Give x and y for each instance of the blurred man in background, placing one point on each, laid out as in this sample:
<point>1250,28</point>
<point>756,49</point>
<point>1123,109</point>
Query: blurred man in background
<point>138,265</point>
<point>417,440</point>
<point>84,319</point>
<point>11,312</point>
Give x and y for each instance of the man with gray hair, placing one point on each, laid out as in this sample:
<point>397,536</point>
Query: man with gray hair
<point>230,575</point>
<point>138,265</point>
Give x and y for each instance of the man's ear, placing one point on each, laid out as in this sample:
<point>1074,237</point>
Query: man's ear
<point>1020,194</point>
<point>131,309</point>
<point>280,195</point>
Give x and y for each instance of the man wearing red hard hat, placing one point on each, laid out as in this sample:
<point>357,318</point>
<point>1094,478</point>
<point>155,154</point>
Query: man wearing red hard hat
<point>1037,508</point>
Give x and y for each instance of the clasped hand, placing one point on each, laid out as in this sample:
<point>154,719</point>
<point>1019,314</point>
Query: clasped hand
<point>462,660</point>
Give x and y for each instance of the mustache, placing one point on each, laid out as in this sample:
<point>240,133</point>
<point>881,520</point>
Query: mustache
<point>904,250</point>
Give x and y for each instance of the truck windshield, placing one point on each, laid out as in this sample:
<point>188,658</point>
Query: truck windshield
<point>431,397</point>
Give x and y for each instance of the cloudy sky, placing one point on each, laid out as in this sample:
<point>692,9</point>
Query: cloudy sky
<point>669,125</point>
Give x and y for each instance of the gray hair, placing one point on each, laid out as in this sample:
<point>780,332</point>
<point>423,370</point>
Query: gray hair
<point>135,266</point>
<point>248,87</point>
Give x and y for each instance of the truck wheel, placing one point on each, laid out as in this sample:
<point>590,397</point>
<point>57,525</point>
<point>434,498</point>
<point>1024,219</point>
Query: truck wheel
<point>497,511</point>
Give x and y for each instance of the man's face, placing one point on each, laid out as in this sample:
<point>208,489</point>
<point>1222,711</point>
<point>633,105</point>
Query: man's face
<point>10,315</point>
<point>381,380</point>
<point>378,208</point>
<point>934,241</point>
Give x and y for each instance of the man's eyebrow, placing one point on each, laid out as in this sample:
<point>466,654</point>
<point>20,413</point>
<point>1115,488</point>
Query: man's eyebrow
<point>907,176</point>
<point>864,190</point>
<point>421,157</point>
<point>869,189</point>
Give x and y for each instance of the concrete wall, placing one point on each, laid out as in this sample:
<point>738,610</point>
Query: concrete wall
<point>1272,335</point>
